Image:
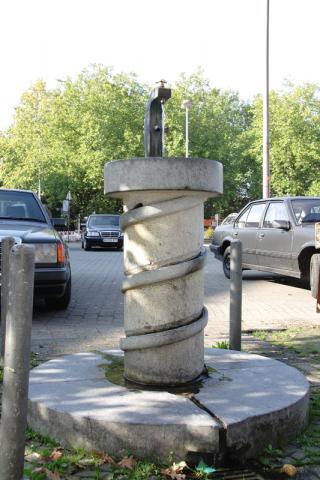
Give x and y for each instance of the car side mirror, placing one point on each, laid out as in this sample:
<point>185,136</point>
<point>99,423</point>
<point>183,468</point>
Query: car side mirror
<point>282,224</point>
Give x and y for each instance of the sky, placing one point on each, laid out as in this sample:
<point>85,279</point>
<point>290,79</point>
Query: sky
<point>55,39</point>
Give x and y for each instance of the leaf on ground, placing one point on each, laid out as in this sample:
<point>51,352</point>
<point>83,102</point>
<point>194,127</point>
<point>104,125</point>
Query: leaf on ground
<point>84,462</point>
<point>203,468</point>
<point>175,471</point>
<point>105,459</point>
<point>49,475</point>
<point>127,462</point>
<point>55,455</point>
<point>98,454</point>
<point>108,459</point>
<point>289,470</point>
<point>34,457</point>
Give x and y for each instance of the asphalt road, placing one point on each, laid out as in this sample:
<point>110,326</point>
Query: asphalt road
<point>94,317</point>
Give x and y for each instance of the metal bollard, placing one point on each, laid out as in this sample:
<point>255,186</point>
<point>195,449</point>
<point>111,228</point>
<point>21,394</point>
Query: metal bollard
<point>16,363</point>
<point>6,246</point>
<point>318,296</point>
<point>235,295</point>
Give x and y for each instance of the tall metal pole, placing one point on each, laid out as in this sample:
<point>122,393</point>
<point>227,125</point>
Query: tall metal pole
<point>266,167</point>
<point>39,186</point>
<point>186,104</point>
<point>187,133</point>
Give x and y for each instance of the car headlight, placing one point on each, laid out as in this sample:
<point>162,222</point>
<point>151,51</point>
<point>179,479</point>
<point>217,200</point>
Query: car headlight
<point>93,234</point>
<point>45,252</point>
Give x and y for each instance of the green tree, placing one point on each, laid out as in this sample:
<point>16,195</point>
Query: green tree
<point>294,140</point>
<point>66,135</point>
<point>218,122</point>
<point>63,137</point>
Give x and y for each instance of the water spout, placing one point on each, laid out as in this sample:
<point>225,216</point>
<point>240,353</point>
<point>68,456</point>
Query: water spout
<point>154,144</point>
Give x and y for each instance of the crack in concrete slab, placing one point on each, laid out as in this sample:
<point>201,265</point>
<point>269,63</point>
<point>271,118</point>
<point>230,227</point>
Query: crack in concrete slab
<point>222,425</point>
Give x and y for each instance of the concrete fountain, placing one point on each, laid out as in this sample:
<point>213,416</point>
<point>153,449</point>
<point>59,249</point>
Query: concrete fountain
<point>169,394</point>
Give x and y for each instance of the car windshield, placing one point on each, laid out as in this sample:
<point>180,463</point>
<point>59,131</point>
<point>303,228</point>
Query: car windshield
<point>306,210</point>
<point>104,220</point>
<point>20,206</point>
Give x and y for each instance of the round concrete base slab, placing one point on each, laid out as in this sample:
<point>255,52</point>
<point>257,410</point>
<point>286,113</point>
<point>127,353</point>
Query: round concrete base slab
<point>248,402</point>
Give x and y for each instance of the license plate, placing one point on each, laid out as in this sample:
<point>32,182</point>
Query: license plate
<point>110,240</point>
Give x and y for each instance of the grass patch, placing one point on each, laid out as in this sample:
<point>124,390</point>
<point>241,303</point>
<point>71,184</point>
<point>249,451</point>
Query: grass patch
<point>296,340</point>
<point>305,345</point>
<point>98,466</point>
<point>260,334</point>
<point>44,455</point>
<point>223,344</point>
<point>34,362</point>
<point>114,369</point>
<point>32,436</point>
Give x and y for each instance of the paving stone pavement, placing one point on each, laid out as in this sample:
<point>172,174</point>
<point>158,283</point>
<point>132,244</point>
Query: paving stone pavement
<point>94,317</point>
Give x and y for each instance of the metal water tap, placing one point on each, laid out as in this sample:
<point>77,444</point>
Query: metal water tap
<point>154,121</point>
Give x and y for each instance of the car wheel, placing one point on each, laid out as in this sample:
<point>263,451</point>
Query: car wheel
<point>60,303</point>
<point>86,246</point>
<point>226,262</point>
<point>314,274</point>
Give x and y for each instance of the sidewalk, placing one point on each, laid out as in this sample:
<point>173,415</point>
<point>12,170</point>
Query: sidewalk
<point>269,302</point>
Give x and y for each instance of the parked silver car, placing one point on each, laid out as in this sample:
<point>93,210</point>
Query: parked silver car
<point>229,219</point>
<point>277,235</point>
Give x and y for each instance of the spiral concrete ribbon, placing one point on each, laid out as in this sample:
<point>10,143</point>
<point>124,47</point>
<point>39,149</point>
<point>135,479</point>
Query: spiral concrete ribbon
<point>164,315</point>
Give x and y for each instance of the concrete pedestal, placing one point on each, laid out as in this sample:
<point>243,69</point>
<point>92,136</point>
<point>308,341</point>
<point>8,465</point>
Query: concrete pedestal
<point>164,316</point>
<point>247,402</point>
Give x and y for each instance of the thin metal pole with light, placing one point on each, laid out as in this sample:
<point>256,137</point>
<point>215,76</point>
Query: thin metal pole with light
<point>265,164</point>
<point>186,104</point>
<point>39,183</point>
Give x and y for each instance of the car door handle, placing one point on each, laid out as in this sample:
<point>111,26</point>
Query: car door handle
<point>235,234</point>
<point>261,235</point>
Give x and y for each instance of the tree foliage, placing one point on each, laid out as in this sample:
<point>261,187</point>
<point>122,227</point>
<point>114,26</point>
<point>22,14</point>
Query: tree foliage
<point>294,140</point>
<point>63,137</point>
<point>218,122</point>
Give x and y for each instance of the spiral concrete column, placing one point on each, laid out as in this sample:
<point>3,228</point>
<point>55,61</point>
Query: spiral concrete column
<point>164,315</point>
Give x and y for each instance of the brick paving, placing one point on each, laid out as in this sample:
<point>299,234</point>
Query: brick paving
<point>95,315</point>
<point>269,302</point>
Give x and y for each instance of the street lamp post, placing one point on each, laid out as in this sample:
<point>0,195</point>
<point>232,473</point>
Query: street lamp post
<point>68,199</point>
<point>266,166</point>
<point>186,104</point>
<point>39,183</point>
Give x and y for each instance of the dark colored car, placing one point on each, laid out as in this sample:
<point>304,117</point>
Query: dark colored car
<point>102,230</point>
<point>277,235</point>
<point>23,217</point>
